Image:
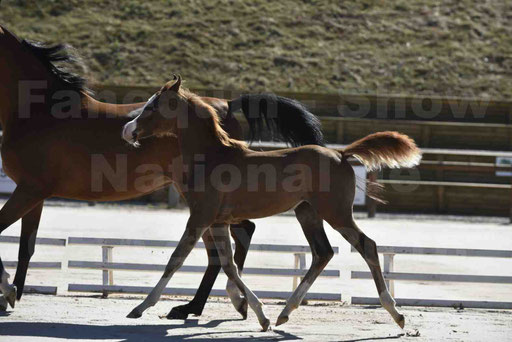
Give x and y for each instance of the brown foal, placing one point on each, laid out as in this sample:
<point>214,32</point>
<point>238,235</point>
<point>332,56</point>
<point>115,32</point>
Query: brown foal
<point>60,154</point>
<point>318,182</point>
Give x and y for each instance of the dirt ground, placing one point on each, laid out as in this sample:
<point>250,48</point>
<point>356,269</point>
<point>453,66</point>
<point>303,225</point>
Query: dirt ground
<point>43,318</point>
<point>69,316</point>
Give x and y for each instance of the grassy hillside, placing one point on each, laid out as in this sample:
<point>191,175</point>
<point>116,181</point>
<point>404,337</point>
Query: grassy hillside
<point>446,47</point>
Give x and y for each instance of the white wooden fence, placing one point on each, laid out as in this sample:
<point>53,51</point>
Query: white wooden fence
<point>391,276</point>
<point>108,267</point>
<point>36,265</point>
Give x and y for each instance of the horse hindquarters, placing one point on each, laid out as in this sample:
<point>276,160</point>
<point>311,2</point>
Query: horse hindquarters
<point>336,207</point>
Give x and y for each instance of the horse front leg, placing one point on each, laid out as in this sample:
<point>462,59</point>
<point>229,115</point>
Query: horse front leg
<point>242,234</point>
<point>190,237</point>
<point>196,305</point>
<point>21,202</point>
<point>29,227</point>
<point>220,235</point>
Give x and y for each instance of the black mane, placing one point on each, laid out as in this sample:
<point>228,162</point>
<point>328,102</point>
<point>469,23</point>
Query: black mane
<point>60,53</point>
<point>286,119</point>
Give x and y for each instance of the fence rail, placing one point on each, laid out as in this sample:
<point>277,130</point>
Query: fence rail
<point>391,276</point>
<point>35,265</point>
<point>172,244</point>
<point>108,267</point>
<point>191,292</point>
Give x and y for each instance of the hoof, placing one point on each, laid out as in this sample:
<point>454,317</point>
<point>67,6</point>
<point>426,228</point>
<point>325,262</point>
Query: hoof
<point>134,314</point>
<point>11,296</point>
<point>176,313</point>
<point>401,321</point>
<point>242,309</point>
<point>281,320</point>
<point>265,325</point>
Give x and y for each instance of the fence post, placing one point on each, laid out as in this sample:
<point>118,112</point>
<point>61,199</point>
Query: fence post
<point>510,214</point>
<point>299,264</point>
<point>295,266</point>
<point>302,263</point>
<point>389,267</point>
<point>108,275</point>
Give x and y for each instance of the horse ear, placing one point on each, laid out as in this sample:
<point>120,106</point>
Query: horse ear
<point>176,86</point>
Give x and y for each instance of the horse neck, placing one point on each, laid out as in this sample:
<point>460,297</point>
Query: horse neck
<point>19,78</point>
<point>93,108</point>
<point>199,137</point>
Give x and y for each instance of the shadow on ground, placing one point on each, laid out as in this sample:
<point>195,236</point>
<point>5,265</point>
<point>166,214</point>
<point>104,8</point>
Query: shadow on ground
<point>133,333</point>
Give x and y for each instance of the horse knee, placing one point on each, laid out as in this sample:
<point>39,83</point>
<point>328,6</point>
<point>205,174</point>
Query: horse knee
<point>328,255</point>
<point>230,269</point>
<point>176,263</point>
<point>323,257</point>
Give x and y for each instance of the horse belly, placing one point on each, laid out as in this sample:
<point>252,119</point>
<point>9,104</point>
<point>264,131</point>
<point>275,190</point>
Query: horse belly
<point>257,205</point>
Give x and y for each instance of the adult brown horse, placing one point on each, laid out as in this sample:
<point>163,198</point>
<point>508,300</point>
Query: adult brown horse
<point>317,181</point>
<point>58,141</point>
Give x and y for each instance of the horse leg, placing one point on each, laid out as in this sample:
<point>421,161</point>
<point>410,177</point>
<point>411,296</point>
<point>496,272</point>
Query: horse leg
<point>29,226</point>
<point>322,252</point>
<point>347,227</point>
<point>187,242</point>
<point>20,203</point>
<point>196,305</point>
<point>242,234</point>
<point>220,235</point>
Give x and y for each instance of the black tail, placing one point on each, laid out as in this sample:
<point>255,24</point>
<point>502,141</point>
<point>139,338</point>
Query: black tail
<point>286,119</point>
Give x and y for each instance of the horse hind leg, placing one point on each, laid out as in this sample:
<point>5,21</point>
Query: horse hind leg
<point>347,227</point>
<point>322,252</point>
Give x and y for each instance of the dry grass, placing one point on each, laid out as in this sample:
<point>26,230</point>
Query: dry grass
<point>451,47</point>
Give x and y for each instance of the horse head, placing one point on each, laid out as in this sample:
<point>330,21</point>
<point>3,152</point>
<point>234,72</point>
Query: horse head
<point>159,115</point>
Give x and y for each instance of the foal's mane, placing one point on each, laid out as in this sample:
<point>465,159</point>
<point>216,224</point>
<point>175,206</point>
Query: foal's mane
<point>48,55</point>
<point>210,116</point>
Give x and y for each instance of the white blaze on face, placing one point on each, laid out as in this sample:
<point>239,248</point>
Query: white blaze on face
<point>128,131</point>
<point>130,127</point>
